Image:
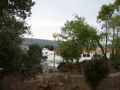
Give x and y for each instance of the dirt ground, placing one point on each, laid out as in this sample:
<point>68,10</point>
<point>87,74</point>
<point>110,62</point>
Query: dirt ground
<point>74,81</point>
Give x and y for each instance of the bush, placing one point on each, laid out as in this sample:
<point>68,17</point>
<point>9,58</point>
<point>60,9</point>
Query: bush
<point>61,64</point>
<point>94,72</point>
<point>116,64</point>
<point>65,66</point>
<point>32,59</point>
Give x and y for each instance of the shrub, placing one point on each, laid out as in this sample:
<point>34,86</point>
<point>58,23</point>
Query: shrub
<point>32,59</point>
<point>94,71</point>
<point>116,64</point>
<point>51,70</point>
<point>61,64</point>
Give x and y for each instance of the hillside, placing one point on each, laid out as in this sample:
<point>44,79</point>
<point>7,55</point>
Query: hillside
<point>41,42</point>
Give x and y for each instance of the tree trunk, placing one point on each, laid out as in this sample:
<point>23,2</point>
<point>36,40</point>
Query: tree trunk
<point>106,37</point>
<point>79,69</point>
<point>113,43</point>
<point>117,41</point>
<point>103,52</point>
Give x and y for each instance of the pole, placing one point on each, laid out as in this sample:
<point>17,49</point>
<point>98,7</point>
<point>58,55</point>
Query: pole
<point>54,62</point>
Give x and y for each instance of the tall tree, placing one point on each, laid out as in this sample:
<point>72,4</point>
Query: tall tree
<point>75,36</point>
<point>104,15</point>
<point>10,39</point>
<point>114,25</point>
<point>11,31</point>
<point>117,5</point>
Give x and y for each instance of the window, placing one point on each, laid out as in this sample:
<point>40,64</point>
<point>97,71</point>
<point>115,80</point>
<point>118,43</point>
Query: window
<point>84,55</point>
<point>88,55</point>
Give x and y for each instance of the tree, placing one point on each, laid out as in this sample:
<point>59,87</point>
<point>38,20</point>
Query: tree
<point>20,8</point>
<point>32,60</point>
<point>75,36</point>
<point>10,39</point>
<point>116,5</point>
<point>11,32</point>
<point>104,15</point>
<point>114,26</point>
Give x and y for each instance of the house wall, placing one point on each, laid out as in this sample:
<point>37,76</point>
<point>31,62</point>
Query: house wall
<point>47,52</point>
<point>50,55</point>
<point>84,56</point>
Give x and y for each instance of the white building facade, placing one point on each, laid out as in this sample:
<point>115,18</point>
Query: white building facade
<point>84,56</point>
<point>49,55</point>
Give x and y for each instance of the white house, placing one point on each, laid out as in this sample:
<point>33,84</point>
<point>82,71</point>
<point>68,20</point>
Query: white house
<point>49,55</point>
<point>84,56</point>
<point>89,55</point>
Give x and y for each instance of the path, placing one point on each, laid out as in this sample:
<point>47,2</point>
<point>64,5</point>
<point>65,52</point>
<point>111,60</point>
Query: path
<point>58,74</point>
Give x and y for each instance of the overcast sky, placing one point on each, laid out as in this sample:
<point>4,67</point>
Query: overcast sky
<point>48,16</point>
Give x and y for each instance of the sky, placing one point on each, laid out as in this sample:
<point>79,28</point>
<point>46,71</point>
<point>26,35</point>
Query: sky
<point>48,16</point>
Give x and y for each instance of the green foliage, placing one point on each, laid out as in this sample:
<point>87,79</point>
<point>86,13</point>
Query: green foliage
<point>61,64</point>
<point>10,39</point>
<point>11,31</point>
<point>20,8</point>
<point>116,62</point>
<point>94,71</point>
<point>65,66</point>
<point>97,56</point>
<point>32,60</point>
<point>51,70</point>
<point>75,36</point>
<point>106,12</point>
<point>106,16</point>
<point>114,24</point>
<point>109,14</point>
<point>116,5</point>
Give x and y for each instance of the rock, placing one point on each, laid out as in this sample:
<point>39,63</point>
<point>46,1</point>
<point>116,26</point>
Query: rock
<point>60,84</point>
<point>64,78</point>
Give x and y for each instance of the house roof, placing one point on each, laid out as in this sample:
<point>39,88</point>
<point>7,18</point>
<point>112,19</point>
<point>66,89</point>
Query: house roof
<point>97,50</point>
<point>47,49</point>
